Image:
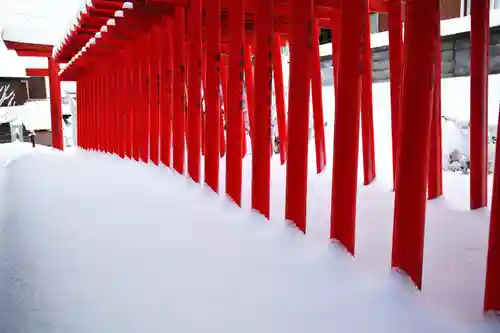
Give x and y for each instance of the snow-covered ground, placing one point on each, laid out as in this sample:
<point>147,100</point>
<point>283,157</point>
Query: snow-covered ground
<point>91,243</point>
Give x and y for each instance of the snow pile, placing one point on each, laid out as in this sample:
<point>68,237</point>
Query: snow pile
<point>95,244</point>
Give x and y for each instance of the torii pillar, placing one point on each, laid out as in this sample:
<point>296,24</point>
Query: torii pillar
<point>55,105</point>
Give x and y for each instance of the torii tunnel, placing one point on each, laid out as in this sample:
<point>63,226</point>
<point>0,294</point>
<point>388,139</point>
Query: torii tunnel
<point>162,80</point>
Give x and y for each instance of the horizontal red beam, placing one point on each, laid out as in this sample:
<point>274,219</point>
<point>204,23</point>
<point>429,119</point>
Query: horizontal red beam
<point>33,53</point>
<point>19,46</point>
<point>37,72</point>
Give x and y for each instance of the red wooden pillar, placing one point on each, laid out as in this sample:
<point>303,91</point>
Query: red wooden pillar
<point>234,111</point>
<point>105,112</point>
<point>145,115</point>
<point>194,90</point>
<point>113,108</point>
<point>367,105</point>
<point>280,98</point>
<point>413,160</point>
<point>179,97</point>
<point>154,132</point>
<point>261,144</point>
<point>480,10</point>
<point>166,93</point>
<point>249,88</point>
<point>435,180</point>
<point>102,113</point>
<point>346,133</point>
<point>55,105</point>
<point>396,74</point>
<point>136,77</point>
<point>204,97</point>
<point>129,104</point>
<point>301,19</point>
<point>137,88</point>
<point>223,121</point>
<point>317,99</point>
<point>336,26</point>
<point>492,291</point>
<point>212,95</point>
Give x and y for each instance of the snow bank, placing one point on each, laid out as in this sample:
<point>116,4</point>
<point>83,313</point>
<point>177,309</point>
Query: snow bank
<point>92,243</point>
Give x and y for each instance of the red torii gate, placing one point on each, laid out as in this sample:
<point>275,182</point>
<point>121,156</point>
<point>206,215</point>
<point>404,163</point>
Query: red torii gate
<point>141,69</point>
<point>45,51</point>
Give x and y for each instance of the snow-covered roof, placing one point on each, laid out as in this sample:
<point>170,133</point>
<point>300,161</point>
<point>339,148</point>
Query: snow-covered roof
<point>34,115</point>
<point>38,22</point>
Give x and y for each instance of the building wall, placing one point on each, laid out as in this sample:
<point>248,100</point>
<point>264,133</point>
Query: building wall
<point>455,54</point>
<point>43,138</point>
<point>449,9</point>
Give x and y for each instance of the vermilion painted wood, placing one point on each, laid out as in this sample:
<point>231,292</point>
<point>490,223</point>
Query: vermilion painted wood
<point>194,89</point>
<point>280,98</point>
<point>234,91</point>
<point>222,137</point>
<point>138,100</point>
<point>179,88</point>
<point>166,93</point>
<point>413,160</point>
<point>346,131</point>
<point>215,134</point>
<point>298,112</point>
<point>492,291</point>
<point>37,72</point>
<point>367,106</point>
<point>261,132</point>
<point>203,104</point>
<point>435,178</point>
<point>55,105</point>
<point>479,103</point>
<point>154,133</point>
<point>146,112</point>
<point>249,88</point>
<point>396,73</point>
<point>317,99</point>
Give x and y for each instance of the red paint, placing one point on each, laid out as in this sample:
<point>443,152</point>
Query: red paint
<point>166,94</point>
<point>214,131</point>
<point>179,94</point>
<point>234,98</point>
<point>317,100</point>
<point>396,72</point>
<point>194,90</point>
<point>368,140</point>
<point>479,103</point>
<point>37,72</point>
<point>55,105</point>
<point>280,98</point>
<point>144,116</point>
<point>435,178</point>
<point>413,165</point>
<point>346,131</point>
<point>249,87</point>
<point>261,131</point>
<point>155,82</point>
<point>301,19</point>
<point>492,291</point>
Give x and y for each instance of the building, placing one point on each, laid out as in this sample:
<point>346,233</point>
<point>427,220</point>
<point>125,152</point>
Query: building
<point>449,9</point>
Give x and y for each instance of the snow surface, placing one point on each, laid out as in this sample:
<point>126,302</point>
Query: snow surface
<point>92,243</point>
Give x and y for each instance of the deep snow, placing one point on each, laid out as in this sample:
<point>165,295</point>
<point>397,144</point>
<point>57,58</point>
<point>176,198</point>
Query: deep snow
<point>91,243</point>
